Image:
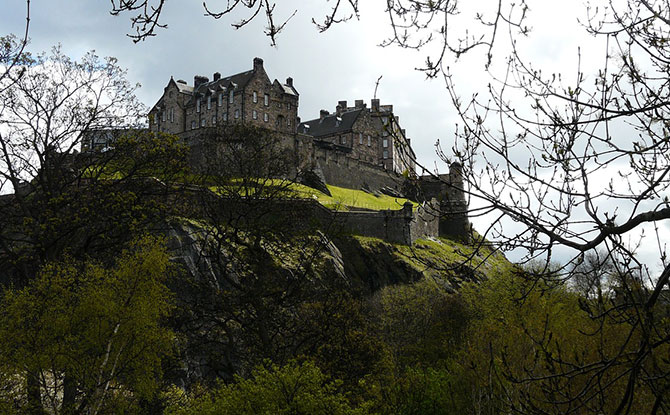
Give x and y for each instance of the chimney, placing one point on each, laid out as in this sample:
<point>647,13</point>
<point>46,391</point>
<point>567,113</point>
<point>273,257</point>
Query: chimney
<point>323,114</point>
<point>289,81</point>
<point>217,76</point>
<point>359,103</point>
<point>198,79</point>
<point>375,104</point>
<point>258,64</point>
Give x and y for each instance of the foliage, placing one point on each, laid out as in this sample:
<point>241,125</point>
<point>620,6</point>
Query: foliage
<point>88,334</point>
<point>291,389</point>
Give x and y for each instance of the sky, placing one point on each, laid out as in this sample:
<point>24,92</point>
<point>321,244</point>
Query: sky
<point>343,63</point>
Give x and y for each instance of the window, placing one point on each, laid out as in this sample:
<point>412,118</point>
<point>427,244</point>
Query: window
<point>237,113</point>
<point>213,119</point>
<point>385,143</point>
<point>163,116</point>
<point>171,114</point>
<point>343,139</point>
<point>202,122</point>
<point>288,122</point>
<point>220,100</point>
<point>193,125</point>
<point>369,141</point>
<point>360,138</point>
<point>197,105</point>
<point>254,114</point>
<point>255,97</point>
<point>209,102</point>
<point>266,100</point>
<point>225,116</point>
<point>231,97</point>
<point>266,117</point>
<point>288,105</point>
<point>386,154</point>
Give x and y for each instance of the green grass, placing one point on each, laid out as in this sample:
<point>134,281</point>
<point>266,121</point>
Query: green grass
<point>340,199</point>
<point>438,257</point>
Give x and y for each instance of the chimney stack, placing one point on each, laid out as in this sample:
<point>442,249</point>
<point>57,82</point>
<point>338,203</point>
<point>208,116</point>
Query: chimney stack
<point>341,107</point>
<point>323,114</point>
<point>258,64</point>
<point>199,79</point>
<point>217,76</point>
<point>375,104</point>
<point>359,103</point>
<point>289,81</point>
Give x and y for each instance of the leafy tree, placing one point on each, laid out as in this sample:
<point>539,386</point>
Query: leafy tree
<point>63,200</point>
<point>263,268</point>
<point>91,336</point>
<point>290,389</point>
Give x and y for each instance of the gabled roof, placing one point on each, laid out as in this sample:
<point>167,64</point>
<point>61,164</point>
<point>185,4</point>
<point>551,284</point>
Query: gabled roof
<point>240,80</point>
<point>285,88</point>
<point>330,124</point>
<point>183,88</point>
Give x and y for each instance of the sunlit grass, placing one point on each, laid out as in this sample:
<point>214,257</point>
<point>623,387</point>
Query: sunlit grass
<point>340,199</point>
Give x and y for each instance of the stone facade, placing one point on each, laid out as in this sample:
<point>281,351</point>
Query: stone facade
<point>248,97</point>
<point>357,147</point>
<point>371,135</point>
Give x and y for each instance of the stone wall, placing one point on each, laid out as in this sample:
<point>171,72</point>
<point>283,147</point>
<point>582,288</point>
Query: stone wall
<point>341,170</point>
<point>448,191</point>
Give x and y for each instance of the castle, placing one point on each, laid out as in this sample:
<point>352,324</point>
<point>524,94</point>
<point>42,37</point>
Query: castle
<point>357,146</point>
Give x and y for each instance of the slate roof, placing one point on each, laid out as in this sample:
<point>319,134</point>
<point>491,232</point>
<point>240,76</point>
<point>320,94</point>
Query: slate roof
<point>289,89</point>
<point>240,80</point>
<point>330,125</point>
<point>187,89</point>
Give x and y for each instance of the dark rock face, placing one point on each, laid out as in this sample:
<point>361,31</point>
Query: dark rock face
<point>374,267</point>
<point>314,178</point>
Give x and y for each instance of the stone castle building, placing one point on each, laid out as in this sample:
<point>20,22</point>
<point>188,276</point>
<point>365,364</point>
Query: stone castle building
<point>356,146</point>
<point>370,135</point>
<point>248,97</point>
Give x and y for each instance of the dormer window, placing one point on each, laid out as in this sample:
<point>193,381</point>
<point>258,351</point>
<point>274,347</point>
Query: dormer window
<point>197,105</point>
<point>220,100</point>
<point>231,97</point>
<point>266,100</point>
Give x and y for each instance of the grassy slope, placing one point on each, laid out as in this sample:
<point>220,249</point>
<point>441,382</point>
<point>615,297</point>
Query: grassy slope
<point>449,263</point>
<point>340,199</point>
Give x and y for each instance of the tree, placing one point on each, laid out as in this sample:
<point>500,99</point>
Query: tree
<point>57,199</point>
<point>295,388</point>
<point>260,262</point>
<point>92,337</point>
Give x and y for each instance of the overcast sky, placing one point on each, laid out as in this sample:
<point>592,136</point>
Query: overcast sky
<point>341,64</point>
